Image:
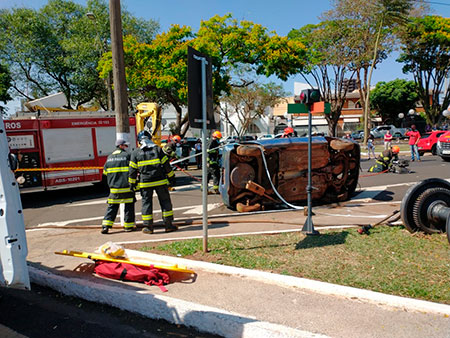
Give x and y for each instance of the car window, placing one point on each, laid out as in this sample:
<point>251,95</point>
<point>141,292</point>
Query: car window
<point>426,136</point>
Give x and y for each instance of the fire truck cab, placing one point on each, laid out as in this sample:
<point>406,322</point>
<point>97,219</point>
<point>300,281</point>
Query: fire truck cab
<point>78,141</point>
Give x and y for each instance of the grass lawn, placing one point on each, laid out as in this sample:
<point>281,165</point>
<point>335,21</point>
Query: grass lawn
<point>389,260</point>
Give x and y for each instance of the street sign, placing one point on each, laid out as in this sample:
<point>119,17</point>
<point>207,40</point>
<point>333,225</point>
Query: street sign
<point>297,108</point>
<point>195,104</point>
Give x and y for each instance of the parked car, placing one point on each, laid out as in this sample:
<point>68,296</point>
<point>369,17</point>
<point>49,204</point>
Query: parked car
<point>379,131</point>
<point>245,138</point>
<point>443,146</point>
<point>246,177</point>
<point>229,139</point>
<point>428,141</point>
<point>266,137</point>
<point>358,134</point>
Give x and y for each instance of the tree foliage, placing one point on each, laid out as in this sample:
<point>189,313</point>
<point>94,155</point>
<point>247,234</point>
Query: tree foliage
<point>249,103</point>
<point>374,25</point>
<point>57,48</point>
<point>329,62</point>
<point>426,54</point>
<point>5,84</point>
<point>158,70</point>
<point>393,97</point>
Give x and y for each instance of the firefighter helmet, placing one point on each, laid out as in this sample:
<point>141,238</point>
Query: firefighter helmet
<point>217,134</point>
<point>144,134</point>
<point>395,149</point>
<point>176,138</point>
<point>288,130</point>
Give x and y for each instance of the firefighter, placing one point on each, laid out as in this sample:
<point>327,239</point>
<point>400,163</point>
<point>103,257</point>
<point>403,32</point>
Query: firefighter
<point>385,159</point>
<point>155,174</point>
<point>170,150</point>
<point>213,162</point>
<point>116,171</point>
<point>288,132</point>
<point>171,146</point>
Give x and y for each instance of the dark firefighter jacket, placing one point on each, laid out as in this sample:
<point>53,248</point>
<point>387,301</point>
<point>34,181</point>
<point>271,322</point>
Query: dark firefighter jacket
<point>116,171</point>
<point>383,161</point>
<point>169,149</point>
<point>213,154</point>
<point>153,167</point>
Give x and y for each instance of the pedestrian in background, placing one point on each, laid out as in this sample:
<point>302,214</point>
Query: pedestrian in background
<point>213,162</point>
<point>155,173</point>
<point>387,140</point>
<point>198,150</point>
<point>371,146</point>
<point>185,152</point>
<point>116,171</point>
<point>414,137</point>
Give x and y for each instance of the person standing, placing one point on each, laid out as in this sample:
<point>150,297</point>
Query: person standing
<point>155,173</point>
<point>170,150</point>
<point>198,150</point>
<point>116,172</point>
<point>414,137</point>
<point>371,146</point>
<point>213,162</point>
<point>185,152</point>
<point>387,140</point>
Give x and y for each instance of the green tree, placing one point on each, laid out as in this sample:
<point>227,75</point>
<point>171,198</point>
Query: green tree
<point>249,103</point>
<point>374,26</point>
<point>426,54</point>
<point>393,97</point>
<point>157,71</point>
<point>329,62</point>
<point>5,84</point>
<point>57,48</point>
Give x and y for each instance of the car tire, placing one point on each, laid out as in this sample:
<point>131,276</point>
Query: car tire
<point>446,159</point>
<point>433,150</point>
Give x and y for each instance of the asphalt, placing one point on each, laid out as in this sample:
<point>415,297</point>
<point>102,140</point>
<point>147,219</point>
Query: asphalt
<point>235,302</point>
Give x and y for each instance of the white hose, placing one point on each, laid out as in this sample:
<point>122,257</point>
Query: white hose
<point>270,180</point>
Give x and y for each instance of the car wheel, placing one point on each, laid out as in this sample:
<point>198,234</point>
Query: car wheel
<point>433,150</point>
<point>446,159</point>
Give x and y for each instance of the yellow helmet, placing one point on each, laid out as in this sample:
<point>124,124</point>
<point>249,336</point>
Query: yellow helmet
<point>217,134</point>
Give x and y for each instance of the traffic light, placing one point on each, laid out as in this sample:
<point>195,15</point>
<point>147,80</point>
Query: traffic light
<point>309,96</point>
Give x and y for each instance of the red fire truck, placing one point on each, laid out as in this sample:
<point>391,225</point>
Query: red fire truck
<point>79,142</point>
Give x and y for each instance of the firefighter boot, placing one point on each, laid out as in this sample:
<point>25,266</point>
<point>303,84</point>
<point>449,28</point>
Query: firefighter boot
<point>105,230</point>
<point>148,229</point>
<point>169,226</point>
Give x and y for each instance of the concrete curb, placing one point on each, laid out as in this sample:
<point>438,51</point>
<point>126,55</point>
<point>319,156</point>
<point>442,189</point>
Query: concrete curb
<point>203,318</point>
<point>352,293</point>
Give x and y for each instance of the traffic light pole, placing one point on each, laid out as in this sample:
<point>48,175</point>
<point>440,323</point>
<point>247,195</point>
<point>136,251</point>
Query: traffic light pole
<point>308,227</point>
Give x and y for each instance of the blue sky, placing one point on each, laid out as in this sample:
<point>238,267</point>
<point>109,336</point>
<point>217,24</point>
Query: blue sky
<point>279,15</point>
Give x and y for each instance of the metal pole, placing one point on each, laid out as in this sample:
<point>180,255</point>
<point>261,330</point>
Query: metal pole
<point>204,168</point>
<point>120,83</point>
<point>308,227</point>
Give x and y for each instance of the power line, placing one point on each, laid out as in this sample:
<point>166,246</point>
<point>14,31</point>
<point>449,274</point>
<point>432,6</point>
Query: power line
<point>434,3</point>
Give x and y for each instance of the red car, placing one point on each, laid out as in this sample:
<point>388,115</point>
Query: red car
<point>427,142</point>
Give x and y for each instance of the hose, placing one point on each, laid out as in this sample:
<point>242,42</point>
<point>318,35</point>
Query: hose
<point>270,180</point>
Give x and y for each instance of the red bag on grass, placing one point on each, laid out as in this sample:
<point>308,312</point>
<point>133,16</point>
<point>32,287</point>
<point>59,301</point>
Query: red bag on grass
<point>128,272</point>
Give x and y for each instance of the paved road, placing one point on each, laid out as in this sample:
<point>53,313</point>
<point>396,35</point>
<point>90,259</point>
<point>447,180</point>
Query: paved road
<point>44,313</point>
<point>86,205</point>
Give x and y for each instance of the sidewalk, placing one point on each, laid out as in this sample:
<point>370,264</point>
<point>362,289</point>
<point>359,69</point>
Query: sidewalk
<point>236,302</point>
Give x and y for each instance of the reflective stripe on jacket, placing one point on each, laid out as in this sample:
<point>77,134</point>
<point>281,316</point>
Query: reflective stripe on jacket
<point>153,167</point>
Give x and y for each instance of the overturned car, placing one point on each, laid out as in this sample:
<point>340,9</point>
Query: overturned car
<point>266,173</point>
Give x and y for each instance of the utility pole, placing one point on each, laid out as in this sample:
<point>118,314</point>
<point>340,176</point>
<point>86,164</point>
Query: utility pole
<point>120,83</point>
